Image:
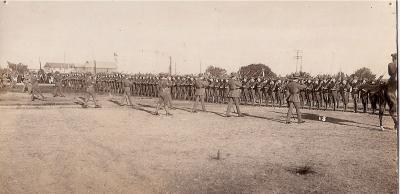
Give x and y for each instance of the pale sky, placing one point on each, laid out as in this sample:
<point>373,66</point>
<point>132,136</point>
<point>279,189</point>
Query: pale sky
<point>332,35</point>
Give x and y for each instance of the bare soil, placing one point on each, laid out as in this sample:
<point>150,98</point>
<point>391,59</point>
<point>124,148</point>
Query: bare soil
<point>56,146</point>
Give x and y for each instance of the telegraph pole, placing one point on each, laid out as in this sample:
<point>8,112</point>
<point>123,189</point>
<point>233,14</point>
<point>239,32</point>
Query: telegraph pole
<point>200,66</point>
<point>170,65</point>
<point>175,67</point>
<point>299,57</point>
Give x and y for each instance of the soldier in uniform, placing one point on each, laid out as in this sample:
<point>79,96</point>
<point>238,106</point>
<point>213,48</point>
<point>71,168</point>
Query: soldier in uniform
<point>35,91</point>
<point>280,93</point>
<point>317,93</point>
<point>58,85</point>
<point>200,85</point>
<point>333,87</point>
<point>271,92</point>
<point>364,96</point>
<point>164,96</point>
<point>127,92</point>
<point>252,90</point>
<point>293,99</point>
<point>355,93</point>
<point>234,95</point>
<point>258,87</point>
<point>345,90</point>
<point>89,84</point>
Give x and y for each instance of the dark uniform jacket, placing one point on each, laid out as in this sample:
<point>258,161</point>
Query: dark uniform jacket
<point>234,88</point>
<point>294,90</point>
<point>200,87</point>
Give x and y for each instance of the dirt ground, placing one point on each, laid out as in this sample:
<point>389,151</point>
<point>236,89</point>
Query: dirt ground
<point>57,147</point>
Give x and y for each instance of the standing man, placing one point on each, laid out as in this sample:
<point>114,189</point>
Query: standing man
<point>58,85</point>
<point>200,84</point>
<point>294,98</point>
<point>90,83</point>
<point>126,82</point>
<point>234,95</point>
<point>355,93</point>
<point>164,96</point>
<point>35,91</point>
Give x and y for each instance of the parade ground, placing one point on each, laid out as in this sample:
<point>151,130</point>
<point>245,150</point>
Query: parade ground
<point>55,146</point>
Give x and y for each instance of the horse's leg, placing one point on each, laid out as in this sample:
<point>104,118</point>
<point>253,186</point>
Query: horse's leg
<point>391,99</point>
<point>381,111</point>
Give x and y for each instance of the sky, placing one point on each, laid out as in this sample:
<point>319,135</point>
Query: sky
<point>332,36</point>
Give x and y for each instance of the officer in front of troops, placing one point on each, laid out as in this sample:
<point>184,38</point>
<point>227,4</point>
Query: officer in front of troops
<point>58,85</point>
<point>200,84</point>
<point>234,95</point>
<point>126,83</point>
<point>293,99</point>
<point>90,83</point>
<point>35,91</point>
<point>164,96</point>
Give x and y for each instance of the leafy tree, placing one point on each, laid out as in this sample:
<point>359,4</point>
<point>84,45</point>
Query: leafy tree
<point>256,70</point>
<point>215,71</point>
<point>363,73</point>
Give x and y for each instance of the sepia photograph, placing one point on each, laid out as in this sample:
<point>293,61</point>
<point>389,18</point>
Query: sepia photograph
<point>199,97</point>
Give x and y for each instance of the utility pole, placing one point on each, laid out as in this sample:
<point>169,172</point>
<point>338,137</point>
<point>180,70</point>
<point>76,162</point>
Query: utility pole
<point>40,64</point>
<point>170,65</point>
<point>175,67</point>
<point>299,57</point>
<point>95,68</point>
<point>200,66</point>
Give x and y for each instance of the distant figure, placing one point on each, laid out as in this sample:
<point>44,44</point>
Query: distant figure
<point>234,94</point>
<point>294,98</point>
<point>200,85</point>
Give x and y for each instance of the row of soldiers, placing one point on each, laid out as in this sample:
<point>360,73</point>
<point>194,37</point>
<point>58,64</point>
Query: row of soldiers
<point>320,93</point>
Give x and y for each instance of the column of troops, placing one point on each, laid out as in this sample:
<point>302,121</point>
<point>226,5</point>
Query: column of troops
<point>320,93</point>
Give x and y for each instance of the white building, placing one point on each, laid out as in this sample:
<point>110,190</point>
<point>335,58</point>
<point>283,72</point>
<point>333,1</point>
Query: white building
<point>88,66</point>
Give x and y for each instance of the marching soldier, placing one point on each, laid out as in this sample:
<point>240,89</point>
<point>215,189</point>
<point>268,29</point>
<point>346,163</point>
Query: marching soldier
<point>234,94</point>
<point>294,99</point>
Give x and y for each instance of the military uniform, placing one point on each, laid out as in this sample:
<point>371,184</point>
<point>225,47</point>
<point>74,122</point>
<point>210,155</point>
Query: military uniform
<point>294,99</point>
<point>234,95</point>
<point>200,85</point>
<point>89,85</point>
<point>164,96</point>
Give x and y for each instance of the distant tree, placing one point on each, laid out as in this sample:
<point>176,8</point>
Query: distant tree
<point>256,70</point>
<point>302,74</point>
<point>363,73</point>
<point>215,71</point>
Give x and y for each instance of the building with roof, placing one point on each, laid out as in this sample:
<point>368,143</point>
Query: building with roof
<point>88,66</point>
<point>60,67</point>
<point>101,67</point>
